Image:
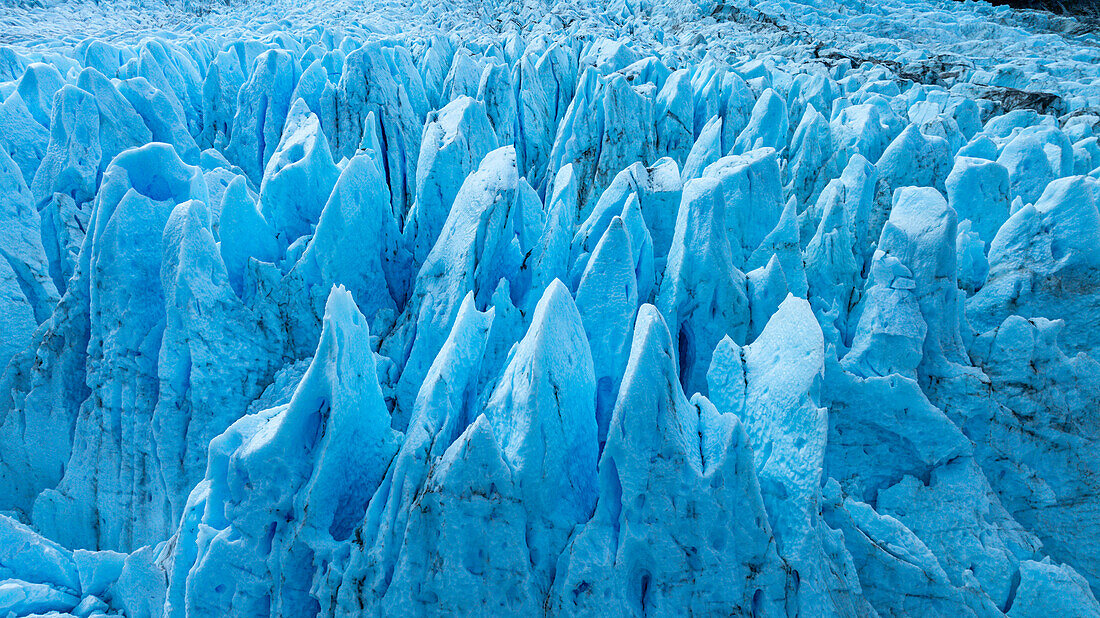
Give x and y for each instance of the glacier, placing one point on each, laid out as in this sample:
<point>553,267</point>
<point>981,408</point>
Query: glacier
<point>548,308</point>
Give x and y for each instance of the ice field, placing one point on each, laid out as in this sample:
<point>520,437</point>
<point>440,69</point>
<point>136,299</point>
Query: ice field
<point>549,308</point>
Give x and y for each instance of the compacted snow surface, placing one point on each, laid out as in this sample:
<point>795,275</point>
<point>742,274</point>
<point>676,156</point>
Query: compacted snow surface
<point>573,308</point>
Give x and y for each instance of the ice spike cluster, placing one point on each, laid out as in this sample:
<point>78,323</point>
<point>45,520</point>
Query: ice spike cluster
<point>560,308</point>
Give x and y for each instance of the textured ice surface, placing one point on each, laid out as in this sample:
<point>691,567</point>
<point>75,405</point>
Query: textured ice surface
<point>566,308</point>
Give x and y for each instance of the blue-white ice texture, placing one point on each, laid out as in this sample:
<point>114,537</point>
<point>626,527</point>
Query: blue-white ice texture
<point>564,322</point>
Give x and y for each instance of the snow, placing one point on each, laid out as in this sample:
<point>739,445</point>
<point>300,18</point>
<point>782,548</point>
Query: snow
<point>554,307</point>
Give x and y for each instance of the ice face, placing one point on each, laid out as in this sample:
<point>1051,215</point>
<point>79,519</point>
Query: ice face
<point>548,308</point>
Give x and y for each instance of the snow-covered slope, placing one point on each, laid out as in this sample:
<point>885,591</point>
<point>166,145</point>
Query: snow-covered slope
<point>573,308</point>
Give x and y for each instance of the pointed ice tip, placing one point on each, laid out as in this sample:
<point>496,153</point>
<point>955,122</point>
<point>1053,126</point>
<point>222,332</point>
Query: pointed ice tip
<point>616,235</point>
<point>793,323</point>
<point>565,177</point>
<point>773,265</point>
<point>651,334</point>
<point>341,310</point>
<point>468,314</point>
<point>912,131</point>
<point>479,436</point>
<point>555,324</point>
<point>237,191</point>
<point>469,304</point>
<point>450,117</point>
<point>369,140</point>
<point>554,297</point>
<point>474,461</point>
<point>795,306</point>
<point>614,247</point>
<point>501,158</point>
<point>193,212</point>
<point>298,113</point>
<point>367,162</point>
<point>790,208</point>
